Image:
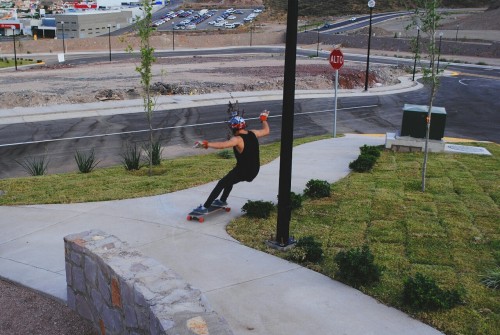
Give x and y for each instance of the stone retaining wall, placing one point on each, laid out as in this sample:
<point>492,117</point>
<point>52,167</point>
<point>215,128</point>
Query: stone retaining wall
<point>123,292</point>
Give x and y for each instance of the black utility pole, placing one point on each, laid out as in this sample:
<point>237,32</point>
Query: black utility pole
<point>371,4</point>
<point>317,45</point>
<point>439,52</point>
<point>109,41</point>
<point>173,38</point>
<point>416,53</point>
<point>64,46</point>
<point>15,52</point>
<point>285,178</point>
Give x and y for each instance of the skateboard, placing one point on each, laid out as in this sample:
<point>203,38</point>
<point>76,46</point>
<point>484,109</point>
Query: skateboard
<point>201,217</point>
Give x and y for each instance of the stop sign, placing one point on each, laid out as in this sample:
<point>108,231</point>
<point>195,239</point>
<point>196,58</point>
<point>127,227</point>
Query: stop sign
<point>336,59</point>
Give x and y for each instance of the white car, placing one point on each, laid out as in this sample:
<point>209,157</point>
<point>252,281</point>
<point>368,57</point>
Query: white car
<point>231,17</point>
<point>211,23</point>
<point>191,26</point>
<point>257,10</point>
<point>230,25</point>
<point>220,24</point>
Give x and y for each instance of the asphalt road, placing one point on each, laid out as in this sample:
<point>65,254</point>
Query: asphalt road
<point>471,103</point>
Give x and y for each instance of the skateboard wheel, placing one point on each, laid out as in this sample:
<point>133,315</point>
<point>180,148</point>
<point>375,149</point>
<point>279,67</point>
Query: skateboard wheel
<point>189,218</point>
<point>227,209</point>
<point>200,220</point>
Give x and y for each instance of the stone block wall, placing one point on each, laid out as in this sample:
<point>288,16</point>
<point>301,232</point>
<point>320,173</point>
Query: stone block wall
<point>124,292</point>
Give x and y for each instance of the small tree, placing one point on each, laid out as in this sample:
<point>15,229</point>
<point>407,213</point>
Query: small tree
<point>145,29</point>
<point>426,17</point>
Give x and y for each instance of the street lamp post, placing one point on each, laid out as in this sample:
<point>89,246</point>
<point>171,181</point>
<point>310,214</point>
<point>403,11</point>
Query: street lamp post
<point>439,51</point>
<point>109,41</point>
<point>251,33</point>
<point>15,52</point>
<point>173,38</point>
<point>416,53</point>
<point>317,45</point>
<point>64,46</point>
<point>371,4</point>
<point>456,36</point>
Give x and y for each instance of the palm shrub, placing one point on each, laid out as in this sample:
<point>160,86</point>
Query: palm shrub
<point>131,157</point>
<point>356,267</point>
<point>258,209</point>
<point>86,162</point>
<point>35,166</point>
<point>317,188</point>
<point>153,152</point>
<point>225,154</point>
<point>422,293</point>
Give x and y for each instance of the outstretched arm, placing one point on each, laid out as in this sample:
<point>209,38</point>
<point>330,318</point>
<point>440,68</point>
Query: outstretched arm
<point>265,130</point>
<point>234,141</point>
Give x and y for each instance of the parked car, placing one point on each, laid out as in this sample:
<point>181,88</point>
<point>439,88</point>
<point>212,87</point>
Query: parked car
<point>231,17</point>
<point>191,26</point>
<point>230,25</point>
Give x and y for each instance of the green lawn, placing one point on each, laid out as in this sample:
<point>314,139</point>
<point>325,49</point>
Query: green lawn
<point>450,233</point>
<point>10,62</point>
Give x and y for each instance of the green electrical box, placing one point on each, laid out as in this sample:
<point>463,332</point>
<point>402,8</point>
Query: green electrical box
<point>414,124</point>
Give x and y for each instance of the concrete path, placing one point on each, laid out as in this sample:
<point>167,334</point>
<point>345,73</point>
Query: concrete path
<point>257,293</point>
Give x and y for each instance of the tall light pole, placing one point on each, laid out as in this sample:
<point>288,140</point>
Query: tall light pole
<point>14,38</point>
<point>109,41</point>
<point>371,4</point>
<point>64,46</point>
<point>251,33</point>
<point>173,38</point>
<point>317,45</point>
<point>439,51</point>
<point>416,53</point>
<point>456,36</point>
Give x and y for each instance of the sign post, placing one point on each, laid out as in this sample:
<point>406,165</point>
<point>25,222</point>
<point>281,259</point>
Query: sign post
<point>336,61</point>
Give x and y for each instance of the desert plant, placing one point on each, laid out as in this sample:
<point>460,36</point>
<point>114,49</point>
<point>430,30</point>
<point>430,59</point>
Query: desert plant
<point>86,162</point>
<point>307,249</point>
<point>35,166</point>
<point>363,163</point>
<point>258,209</point>
<point>357,267</point>
<point>153,152</point>
<point>492,278</point>
<point>317,188</point>
<point>422,293</point>
<point>131,157</point>
<point>225,154</point>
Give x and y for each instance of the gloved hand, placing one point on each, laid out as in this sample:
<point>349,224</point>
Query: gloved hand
<point>264,115</point>
<point>201,144</point>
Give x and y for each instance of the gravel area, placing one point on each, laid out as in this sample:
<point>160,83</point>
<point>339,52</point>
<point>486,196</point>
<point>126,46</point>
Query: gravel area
<point>23,311</point>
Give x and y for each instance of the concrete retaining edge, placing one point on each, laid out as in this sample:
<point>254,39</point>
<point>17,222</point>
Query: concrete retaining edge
<point>123,292</point>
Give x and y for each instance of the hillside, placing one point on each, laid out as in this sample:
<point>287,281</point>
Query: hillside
<point>346,7</point>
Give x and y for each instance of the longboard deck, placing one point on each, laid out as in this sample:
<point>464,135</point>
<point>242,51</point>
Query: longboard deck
<point>201,217</point>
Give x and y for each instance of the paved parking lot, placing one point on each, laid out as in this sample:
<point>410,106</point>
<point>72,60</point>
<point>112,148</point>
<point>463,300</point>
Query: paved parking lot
<point>206,19</point>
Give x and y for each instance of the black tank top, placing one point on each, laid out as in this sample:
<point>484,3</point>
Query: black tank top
<point>248,162</point>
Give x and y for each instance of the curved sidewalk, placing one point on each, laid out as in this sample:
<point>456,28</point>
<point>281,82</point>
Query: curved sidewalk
<point>256,292</point>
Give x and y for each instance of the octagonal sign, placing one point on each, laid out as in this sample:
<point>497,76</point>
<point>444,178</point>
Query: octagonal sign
<point>336,59</point>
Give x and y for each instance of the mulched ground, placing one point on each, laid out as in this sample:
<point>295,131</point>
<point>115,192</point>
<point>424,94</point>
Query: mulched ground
<point>23,312</point>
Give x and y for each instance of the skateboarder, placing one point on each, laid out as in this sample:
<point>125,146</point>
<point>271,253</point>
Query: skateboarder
<point>245,145</point>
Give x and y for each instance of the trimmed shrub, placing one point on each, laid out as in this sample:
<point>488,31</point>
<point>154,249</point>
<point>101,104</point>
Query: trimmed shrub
<point>317,188</point>
<point>356,267</point>
<point>258,209</point>
<point>295,200</point>
<point>363,163</point>
<point>86,162</point>
<point>307,249</point>
<point>422,293</point>
<point>371,150</point>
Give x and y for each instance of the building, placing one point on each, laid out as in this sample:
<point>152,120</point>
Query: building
<point>91,23</point>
